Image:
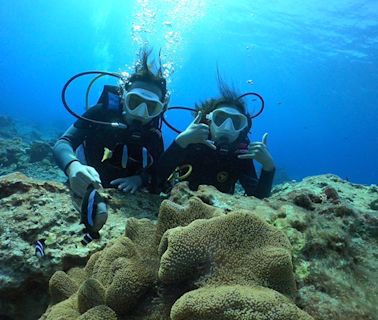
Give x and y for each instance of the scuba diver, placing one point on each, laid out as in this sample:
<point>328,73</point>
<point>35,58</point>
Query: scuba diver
<point>116,143</point>
<point>215,149</point>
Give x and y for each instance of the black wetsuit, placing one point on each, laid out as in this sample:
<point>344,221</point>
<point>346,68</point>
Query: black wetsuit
<point>221,169</point>
<point>143,146</point>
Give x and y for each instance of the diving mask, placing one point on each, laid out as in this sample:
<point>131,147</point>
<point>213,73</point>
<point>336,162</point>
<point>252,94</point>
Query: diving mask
<point>226,123</point>
<point>143,104</point>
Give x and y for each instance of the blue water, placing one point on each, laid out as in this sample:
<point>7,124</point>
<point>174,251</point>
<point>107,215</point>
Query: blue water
<point>315,63</point>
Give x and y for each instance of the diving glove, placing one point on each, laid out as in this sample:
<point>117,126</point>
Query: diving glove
<point>81,176</point>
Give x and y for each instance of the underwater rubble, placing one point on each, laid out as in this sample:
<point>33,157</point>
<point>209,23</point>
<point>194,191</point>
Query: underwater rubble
<point>307,252</point>
<point>25,149</point>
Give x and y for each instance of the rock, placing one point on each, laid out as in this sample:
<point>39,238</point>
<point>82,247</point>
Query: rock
<point>33,158</point>
<point>39,151</point>
<point>7,127</point>
<point>12,153</point>
<point>374,205</point>
<point>303,200</point>
<point>332,194</point>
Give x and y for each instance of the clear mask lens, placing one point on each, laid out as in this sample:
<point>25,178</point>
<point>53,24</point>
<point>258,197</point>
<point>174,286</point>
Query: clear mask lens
<point>239,121</point>
<point>136,100</point>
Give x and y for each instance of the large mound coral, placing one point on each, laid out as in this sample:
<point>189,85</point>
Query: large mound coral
<point>238,254</point>
<point>236,302</point>
<point>172,215</point>
<point>31,210</point>
<point>117,277</point>
<point>237,248</point>
<point>333,229</point>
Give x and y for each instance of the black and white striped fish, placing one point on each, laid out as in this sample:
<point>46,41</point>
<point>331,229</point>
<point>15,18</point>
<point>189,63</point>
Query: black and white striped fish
<point>40,248</point>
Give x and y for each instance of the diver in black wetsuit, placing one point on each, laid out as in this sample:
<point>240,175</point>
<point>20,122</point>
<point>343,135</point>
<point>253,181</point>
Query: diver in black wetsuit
<point>215,150</point>
<point>94,155</point>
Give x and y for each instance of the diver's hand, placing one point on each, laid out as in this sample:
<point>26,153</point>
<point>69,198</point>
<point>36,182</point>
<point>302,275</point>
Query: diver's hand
<point>196,132</point>
<point>81,176</point>
<point>259,152</point>
<point>129,184</point>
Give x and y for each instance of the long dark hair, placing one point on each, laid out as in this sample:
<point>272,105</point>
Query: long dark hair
<point>143,72</point>
<point>228,96</point>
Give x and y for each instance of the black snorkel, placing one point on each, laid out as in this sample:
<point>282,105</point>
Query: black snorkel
<point>259,97</point>
<point>162,118</point>
<point>174,108</point>
<point>70,111</point>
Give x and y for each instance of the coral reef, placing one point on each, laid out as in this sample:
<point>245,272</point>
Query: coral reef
<point>200,252</point>
<point>11,153</point>
<point>8,128</point>
<point>26,150</point>
<point>172,214</point>
<point>229,258</point>
<point>39,151</point>
<point>61,287</point>
<point>310,250</point>
<point>333,228</point>
<point>118,276</point>
<point>262,253</point>
<point>33,209</point>
<point>236,302</point>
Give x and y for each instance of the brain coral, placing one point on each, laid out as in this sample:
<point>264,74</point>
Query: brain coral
<point>117,276</point>
<point>208,265</point>
<point>90,295</point>
<point>61,287</point>
<point>236,303</point>
<point>172,214</point>
<point>100,312</point>
<point>237,248</point>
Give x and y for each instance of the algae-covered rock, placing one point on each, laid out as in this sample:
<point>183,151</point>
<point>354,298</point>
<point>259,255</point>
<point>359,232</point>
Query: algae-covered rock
<point>40,150</point>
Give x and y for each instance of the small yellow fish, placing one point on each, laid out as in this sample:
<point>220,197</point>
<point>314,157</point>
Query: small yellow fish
<point>107,154</point>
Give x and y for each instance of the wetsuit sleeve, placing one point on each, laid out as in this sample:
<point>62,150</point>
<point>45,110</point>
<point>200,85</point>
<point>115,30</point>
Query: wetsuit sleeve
<point>254,186</point>
<point>64,148</point>
<point>170,159</point>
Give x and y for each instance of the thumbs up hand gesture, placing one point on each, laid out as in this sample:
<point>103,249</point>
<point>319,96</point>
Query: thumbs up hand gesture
<point>259,152</point>
<point>196,132</point>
